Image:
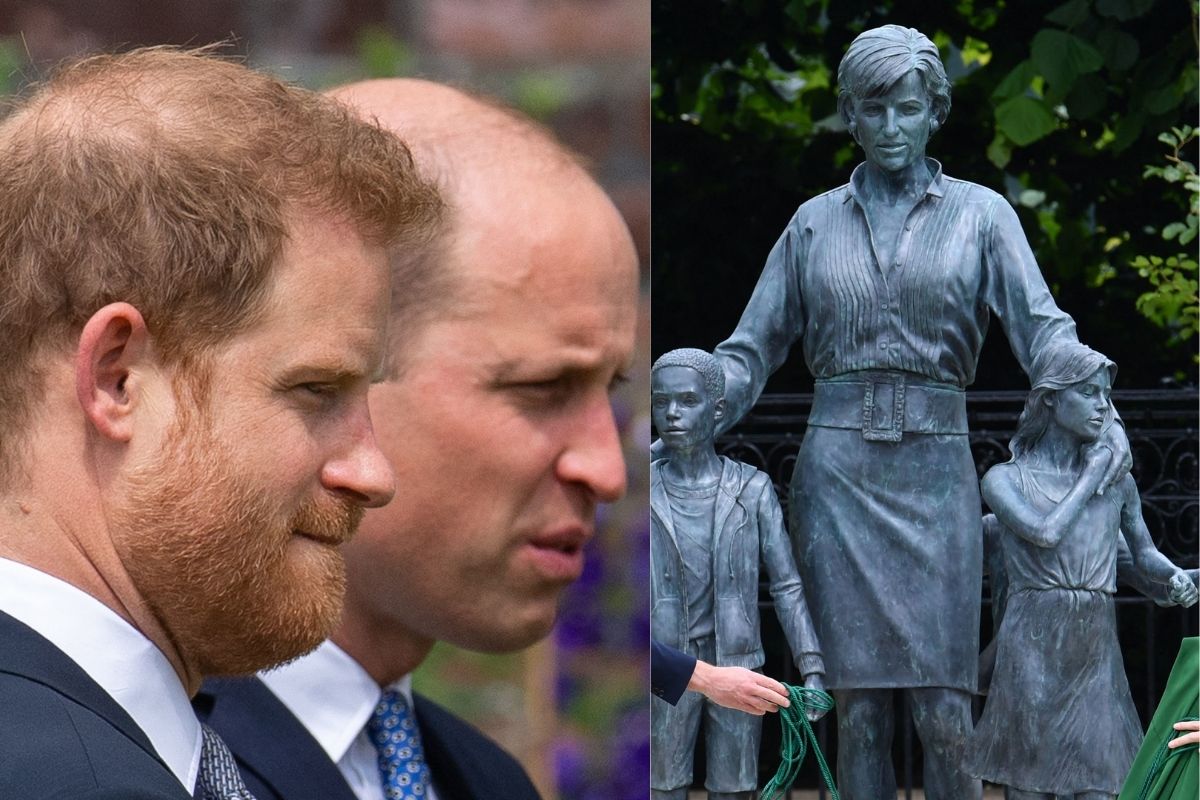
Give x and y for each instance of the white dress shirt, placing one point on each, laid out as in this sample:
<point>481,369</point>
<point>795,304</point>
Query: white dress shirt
<point>334,698</point>
<point>126,664</point>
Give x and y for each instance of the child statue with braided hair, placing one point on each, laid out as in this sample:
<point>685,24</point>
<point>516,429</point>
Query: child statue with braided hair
<point>1059,718</point>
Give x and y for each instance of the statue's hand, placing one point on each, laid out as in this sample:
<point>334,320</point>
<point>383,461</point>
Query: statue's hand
<point>1097,457</point>
<point>1183,591</point>
<point>1114,439</point>
<point>815,683</point>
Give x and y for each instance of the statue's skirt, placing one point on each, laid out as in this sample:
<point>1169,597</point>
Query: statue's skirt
<point>1059,718</point>
<point>888,539</point>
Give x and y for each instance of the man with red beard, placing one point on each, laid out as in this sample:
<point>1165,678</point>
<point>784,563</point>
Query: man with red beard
<point>195,278</point>
<point>496,417</point>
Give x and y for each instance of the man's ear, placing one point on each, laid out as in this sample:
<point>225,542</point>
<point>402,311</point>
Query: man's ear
<point>113,341</point>
<point>719,409</point>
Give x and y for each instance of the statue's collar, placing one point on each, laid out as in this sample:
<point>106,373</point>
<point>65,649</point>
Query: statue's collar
<point>934,189</point>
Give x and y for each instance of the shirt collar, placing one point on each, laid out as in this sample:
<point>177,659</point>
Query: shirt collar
<point>936,187</point>
<point>334,718</point>
<point>117,656</point>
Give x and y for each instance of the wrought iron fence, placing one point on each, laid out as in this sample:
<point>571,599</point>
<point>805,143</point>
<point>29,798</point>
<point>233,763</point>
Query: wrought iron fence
<point>1162,429</point>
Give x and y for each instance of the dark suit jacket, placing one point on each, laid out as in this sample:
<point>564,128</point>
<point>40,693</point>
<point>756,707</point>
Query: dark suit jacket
<point>62,736</point>
<point>670,671</point>
<point>280,760</point>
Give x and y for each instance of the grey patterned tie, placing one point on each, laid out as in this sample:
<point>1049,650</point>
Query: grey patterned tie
<point>219,777</point>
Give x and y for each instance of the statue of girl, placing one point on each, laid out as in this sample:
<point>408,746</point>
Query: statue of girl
<point>1059,718</point>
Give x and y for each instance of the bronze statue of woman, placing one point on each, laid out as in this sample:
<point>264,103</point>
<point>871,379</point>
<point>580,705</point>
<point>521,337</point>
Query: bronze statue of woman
<point>888,283</point>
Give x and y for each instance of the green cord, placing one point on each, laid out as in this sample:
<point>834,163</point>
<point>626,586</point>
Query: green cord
<point>1160,759</point>
<point>796,730</point>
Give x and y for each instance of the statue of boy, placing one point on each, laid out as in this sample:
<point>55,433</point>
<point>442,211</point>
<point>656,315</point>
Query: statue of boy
<point>713,521</point>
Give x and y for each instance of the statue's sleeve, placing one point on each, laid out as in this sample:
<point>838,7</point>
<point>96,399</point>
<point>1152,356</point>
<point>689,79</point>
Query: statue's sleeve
<point>1015,290</point>
<point>772,322</point>
<point>784,584</point>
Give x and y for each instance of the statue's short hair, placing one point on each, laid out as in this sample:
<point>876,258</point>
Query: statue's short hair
<point>881,56</point>
<point>700,360</point>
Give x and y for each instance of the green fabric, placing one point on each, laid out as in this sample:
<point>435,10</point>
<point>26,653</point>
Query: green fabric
<point>1159,773</point>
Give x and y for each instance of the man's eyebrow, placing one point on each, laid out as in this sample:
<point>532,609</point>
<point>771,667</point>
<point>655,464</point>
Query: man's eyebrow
<point>328,371</point>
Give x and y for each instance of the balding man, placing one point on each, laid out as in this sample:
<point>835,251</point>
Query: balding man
<point>496,418</point>
<point>184,428</point>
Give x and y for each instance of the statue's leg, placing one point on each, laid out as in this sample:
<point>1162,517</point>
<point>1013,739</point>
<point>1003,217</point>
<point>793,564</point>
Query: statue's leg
<point>865,720</point>
<point>669,794</point>
<point>943,721</point>
<point>673,731</point>
<point>1017,794</point>
<point>731,742</point>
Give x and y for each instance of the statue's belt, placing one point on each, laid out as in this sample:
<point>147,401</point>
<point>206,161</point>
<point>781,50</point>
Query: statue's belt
<point>886,405</point>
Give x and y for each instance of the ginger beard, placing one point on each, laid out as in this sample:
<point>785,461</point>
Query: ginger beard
<point>222,568</point>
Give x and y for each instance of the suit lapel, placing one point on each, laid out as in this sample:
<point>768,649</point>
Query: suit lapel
<point>451,769</point>
<point>268,740</point>
<point>30,655</point>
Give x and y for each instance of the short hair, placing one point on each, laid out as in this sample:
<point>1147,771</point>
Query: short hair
<point>700,360</point>
<point>1056,367</point>
<point>881,56</point>
<point>168,178</point>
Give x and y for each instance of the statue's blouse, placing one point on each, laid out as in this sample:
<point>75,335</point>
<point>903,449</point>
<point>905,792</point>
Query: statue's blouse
<point>962,255</point>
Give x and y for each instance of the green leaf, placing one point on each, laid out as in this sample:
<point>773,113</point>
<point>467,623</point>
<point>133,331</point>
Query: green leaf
<point>1015,82</point>
<point>1069,14</point>
<point>999,152</point>
<point>1024,120</point>
<point>1031,198</point>
<point>1049,224</point>
<point>976,51</point>
<point>1128,130</point>
<point>1119,49</point>
<point>1062,58</point>
<point>1173,230</point>
<point>1162,100</point>
<point>1123,9</point>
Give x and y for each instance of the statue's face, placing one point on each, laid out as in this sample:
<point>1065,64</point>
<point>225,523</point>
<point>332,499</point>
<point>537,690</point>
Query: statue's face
<point>893,128</point>
<point>684,414</point>
<point>1081,408</point>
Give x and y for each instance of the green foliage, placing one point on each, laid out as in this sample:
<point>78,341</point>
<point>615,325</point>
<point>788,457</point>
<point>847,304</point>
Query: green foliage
<point>1172,303</point>
<point>12,61</point>
<point>382,53</point>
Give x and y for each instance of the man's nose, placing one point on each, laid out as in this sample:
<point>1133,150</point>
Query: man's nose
<point>361,473</point>
<point>592,457</point>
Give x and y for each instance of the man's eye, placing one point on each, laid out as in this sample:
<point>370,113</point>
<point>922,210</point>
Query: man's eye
<point>547,392</point>
<point>318,391</point>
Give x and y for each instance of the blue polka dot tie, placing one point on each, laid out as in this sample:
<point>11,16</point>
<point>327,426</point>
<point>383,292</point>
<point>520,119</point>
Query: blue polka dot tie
<point>393,731</point>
